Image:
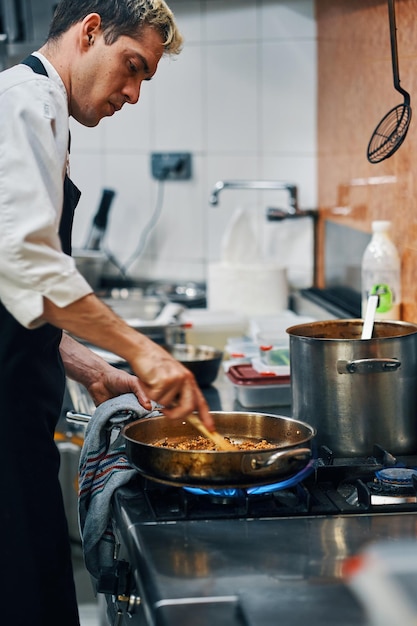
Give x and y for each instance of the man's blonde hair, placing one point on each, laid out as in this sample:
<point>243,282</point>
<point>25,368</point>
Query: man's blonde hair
<point>120,18</point>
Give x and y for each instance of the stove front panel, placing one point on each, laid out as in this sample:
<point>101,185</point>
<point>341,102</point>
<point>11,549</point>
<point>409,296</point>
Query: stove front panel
<point>251,572</point>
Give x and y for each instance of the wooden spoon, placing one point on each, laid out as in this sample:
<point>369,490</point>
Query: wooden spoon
<point>214,436</point>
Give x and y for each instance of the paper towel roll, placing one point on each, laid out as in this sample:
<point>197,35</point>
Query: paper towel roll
<point>252,289</point>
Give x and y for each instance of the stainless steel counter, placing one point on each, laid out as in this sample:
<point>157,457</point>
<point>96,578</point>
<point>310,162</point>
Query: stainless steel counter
<point>257,572</point>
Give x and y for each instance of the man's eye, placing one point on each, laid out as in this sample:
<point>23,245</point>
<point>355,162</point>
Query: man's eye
<point>133,68</point>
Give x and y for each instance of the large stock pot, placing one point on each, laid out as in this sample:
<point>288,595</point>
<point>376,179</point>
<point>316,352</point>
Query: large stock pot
<point>356,392</point>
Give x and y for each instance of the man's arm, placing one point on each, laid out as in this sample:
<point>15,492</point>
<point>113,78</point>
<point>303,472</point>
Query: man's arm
<point>162,378</point>
<point>102,380</point>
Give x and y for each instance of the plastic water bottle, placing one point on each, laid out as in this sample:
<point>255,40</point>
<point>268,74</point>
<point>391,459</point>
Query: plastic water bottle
<point>381,273</point>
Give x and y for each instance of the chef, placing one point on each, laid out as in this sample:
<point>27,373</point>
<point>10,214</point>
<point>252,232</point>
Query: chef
<point>96,56</point>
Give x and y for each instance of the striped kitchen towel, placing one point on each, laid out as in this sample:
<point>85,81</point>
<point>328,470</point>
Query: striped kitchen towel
<point>103,468</point>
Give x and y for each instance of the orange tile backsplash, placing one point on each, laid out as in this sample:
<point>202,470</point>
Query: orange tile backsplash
<point>356,90</point>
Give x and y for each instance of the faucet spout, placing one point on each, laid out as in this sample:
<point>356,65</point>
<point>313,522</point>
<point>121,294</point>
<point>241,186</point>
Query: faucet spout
<point>214,198</point>
<point>257,185</point>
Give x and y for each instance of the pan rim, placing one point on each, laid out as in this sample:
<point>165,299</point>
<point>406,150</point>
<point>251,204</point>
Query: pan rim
<point>311,430</point>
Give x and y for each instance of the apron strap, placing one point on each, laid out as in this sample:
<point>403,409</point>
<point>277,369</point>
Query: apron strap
<point>39,68</point>
<point>36,64</point>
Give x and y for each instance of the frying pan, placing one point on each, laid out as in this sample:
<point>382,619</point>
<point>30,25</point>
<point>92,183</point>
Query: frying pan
<point>244,468</point>
<point>291,453</point>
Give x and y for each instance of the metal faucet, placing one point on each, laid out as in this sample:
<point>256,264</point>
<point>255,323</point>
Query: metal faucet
<point>271,213</point>
<point>255,184</point>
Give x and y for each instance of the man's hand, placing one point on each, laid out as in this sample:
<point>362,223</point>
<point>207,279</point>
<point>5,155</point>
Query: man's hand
<point>115,382</point>
<point>102,380</point>
<point>162,378</point>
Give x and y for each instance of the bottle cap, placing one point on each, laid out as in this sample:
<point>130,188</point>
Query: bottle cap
<point>380,226</point>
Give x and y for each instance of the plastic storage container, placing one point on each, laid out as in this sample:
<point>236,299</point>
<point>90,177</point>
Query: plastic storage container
<point>277,353</point>
<point>212,328</point>
<point>381,273</point>
<point>255,389</point>
<point>268,369</point>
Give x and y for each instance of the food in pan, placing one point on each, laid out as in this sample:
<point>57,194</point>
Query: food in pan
<point>201,443</point>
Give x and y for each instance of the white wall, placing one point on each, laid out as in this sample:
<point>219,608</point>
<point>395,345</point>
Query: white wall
<point>241,98</point>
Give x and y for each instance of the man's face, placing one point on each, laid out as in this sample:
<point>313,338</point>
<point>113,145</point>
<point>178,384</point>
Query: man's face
<point>108,76</point>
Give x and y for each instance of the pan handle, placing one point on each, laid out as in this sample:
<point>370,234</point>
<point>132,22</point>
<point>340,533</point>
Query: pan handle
<point>259,463</point>
<point>77,418</point>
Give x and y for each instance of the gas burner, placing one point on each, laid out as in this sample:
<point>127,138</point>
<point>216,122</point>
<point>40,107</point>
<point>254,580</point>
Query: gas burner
<point>224,494</point>
<point>394,485</point>
<point>399,477</point>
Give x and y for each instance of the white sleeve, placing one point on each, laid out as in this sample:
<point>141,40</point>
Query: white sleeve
<point>33,155</point>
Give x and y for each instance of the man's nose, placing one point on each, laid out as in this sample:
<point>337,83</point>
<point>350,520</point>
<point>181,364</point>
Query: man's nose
<point>132,93</point>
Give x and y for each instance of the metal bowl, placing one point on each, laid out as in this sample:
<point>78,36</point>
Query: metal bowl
<point>189,294</point>
<point>203,361</point>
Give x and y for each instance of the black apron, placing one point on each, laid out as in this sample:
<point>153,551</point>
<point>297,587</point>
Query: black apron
<point>37,571</point>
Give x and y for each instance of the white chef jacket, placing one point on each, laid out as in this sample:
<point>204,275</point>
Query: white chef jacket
<point>33,160</point>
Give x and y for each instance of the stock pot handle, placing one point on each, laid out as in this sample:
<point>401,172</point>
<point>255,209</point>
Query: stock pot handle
<point>368,366</point>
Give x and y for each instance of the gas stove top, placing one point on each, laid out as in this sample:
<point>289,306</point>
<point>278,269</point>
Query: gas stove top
<point>377,484</point>
<point>235,557</point>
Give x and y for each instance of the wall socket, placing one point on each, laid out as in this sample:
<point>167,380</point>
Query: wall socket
<point>171,165</point>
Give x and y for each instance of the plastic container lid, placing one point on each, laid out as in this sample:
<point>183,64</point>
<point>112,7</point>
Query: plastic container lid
<point>244,374</point>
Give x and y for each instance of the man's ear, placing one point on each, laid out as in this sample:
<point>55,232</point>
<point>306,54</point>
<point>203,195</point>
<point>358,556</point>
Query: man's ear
<point>90,27</point>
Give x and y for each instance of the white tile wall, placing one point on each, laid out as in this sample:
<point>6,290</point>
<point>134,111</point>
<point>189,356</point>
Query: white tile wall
<point>241,98</point>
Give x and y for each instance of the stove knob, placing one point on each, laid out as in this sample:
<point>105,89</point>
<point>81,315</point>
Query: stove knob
<point>132,602</point>
<point>108,581</point>
<point>114,580</point>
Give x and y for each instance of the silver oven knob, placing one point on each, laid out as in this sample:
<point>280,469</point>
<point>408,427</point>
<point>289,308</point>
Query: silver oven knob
<point>132,602</point>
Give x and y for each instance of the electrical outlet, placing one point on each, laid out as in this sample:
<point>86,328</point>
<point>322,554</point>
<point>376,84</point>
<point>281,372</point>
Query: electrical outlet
<point>171,165</point>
